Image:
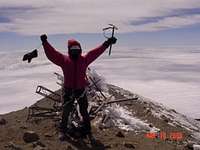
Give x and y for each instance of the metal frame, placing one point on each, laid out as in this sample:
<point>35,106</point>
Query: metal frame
<point>56,109</point>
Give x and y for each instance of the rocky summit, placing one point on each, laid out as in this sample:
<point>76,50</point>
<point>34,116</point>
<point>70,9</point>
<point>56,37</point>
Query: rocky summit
<point>138,124</point>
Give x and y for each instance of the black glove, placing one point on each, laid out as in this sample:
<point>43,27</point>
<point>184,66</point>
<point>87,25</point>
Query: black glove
<point>30,56</point>
<point>43,38</point>
<point>109,41</point>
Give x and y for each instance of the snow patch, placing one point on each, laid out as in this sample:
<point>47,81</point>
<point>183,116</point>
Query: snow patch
<point>196,147</point>
<point>120,117</point>
<point>97,79</point>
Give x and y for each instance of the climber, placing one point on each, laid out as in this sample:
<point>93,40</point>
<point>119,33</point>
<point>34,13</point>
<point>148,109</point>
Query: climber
<point>74,67</point>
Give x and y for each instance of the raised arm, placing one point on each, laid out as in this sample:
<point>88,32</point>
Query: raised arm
<point>53,55</point>
<point>95,53</point>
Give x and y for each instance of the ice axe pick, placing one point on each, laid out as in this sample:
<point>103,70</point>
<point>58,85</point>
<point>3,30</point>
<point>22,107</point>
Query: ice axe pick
<point>113,28</point>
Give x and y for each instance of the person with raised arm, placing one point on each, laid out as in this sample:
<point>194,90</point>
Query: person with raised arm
<point>74,66</point>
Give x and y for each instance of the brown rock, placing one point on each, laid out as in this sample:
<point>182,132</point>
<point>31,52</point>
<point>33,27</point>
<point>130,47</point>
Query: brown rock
<point>150,125</point>
<point>38,143</point>
<point>48,135</point>
<point>40,148</point>
<point>165,119</point>
<point>69,148</point>
<point>13,146</point>
<point>120,134</point>
<point>23,127</point>
<point>108,146</point>
<point>18,120</point>
<point>30,136</point>
<point>190,145</point>
<point>3,121</point>
<point>129,145</point>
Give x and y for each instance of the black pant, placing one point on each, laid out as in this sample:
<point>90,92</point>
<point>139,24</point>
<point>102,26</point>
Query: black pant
<point>68,105</point>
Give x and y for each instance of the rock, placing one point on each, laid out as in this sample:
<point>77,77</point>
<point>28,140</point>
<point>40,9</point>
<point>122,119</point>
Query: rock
<point>3,121</point>
<point>18,120</point>
<point>48,135</point>
<point>38,143</point>
<point>101,126</point>
<point>172,110</point>
<point>40,148</point>
<point>23,127</point>
<point>148,111</point>
<point>145,103</point>
<point>167,120</point>
<point>150,125</point>
<point>13,146</point>
<point>129,145</point>
<point>190,145</point>
<point>108,146</point>
<point>30,136</point>
<point>120,134</point>
<point>69,148</point>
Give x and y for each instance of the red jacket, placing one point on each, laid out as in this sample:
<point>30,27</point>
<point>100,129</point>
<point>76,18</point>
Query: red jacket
<point>74,71</point>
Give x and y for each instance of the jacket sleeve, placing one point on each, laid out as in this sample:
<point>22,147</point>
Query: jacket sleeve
<point>53,55</point>
<point>95,53</point>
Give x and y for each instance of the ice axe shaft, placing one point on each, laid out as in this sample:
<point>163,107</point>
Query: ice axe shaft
<point>113,27</point>
<point>113,32</point>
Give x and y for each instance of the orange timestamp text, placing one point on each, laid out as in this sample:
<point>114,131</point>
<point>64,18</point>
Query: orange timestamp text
<point>164,135</point>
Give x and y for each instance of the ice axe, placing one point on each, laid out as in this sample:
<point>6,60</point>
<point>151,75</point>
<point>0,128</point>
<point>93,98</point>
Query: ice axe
<point>113,28</point>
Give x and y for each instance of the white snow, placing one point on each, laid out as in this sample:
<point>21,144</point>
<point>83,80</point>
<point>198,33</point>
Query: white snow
<point>196,147</point>
<point>124,119</point>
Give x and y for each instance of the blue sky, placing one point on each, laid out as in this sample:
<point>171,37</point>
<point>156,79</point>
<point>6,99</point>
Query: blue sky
<point>141,22</point>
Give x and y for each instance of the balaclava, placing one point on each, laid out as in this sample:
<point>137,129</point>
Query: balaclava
<point>74,49</point>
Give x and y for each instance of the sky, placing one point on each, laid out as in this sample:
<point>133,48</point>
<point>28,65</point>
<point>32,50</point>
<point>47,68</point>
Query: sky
<point>140,22</point>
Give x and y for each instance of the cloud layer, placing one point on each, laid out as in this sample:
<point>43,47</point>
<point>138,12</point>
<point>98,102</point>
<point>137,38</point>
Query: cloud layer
<point>78,16</point>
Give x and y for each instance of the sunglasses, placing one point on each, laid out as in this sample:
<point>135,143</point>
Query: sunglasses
<point>75,47</point>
